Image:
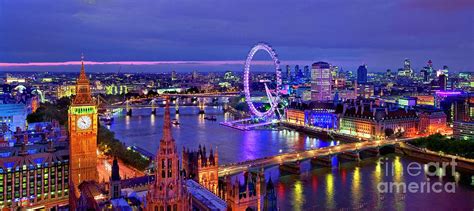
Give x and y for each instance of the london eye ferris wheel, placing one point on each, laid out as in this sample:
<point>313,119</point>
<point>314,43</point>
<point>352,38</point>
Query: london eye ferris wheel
<point>272,95</point>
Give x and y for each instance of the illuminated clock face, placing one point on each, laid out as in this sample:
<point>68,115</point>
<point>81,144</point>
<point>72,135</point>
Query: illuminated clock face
<point>84,122</point>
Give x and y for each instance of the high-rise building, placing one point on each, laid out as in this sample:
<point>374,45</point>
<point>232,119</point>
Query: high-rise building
<point>443,71</point>
<point>195,75</point>
<point>288,72</point>
<point>406,71</point>
<point>173,76</point>
<point>83,125</point>
<point>298,73</point>
<point>388,73</point>
<point>307,72</point>
<point>442,81</point>
<point>362,74</point>
<point>429,68</point>
<point>430,64</point>
<point>334,71</point>
<point>425,74</point>
<point>321,82</point>
<point>167,192</point>
<point>454,104</point>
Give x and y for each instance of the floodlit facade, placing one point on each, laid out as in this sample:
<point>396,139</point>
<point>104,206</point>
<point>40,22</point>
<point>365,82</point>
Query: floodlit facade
<point>321,82</point>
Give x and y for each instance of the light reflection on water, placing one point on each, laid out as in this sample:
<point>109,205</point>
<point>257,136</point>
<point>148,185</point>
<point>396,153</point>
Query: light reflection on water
<point>298,195</point>
<point>346,186</point>
<point>356,187</point>
<point>144,130</point>
<point>330,191</point>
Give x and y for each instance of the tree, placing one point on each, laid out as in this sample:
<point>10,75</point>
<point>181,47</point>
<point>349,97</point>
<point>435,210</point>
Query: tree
<point>389,132</point>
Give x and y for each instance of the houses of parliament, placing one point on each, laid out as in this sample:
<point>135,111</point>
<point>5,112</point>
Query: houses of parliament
<point>192,183</point>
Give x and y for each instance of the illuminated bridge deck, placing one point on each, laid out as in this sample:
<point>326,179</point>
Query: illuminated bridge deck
<point>234,168</point>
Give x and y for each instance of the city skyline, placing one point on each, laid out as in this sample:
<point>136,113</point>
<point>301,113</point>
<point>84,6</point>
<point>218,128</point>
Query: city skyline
<point>189,66</point>
<point>236,105</point>
<point>387,33</point>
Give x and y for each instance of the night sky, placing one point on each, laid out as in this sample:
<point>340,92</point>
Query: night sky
<point>381,33</point>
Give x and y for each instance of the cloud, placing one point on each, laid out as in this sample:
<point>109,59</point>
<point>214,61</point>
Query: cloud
<point>151,30</point>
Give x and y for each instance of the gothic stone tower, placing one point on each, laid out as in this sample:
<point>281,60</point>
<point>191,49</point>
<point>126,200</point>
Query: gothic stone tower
<point>270,199</point>
<point>82,123</point>
<point>115,184</point>
<point>167,192</point>
<point>246,196</point>
<point>202,168</point>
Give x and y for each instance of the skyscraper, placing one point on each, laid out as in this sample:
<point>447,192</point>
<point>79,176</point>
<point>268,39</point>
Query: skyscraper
<point>425,75</point>
<point>298,72</point>
<point>427,72</point>
<point>442,81</point>
<point>173,75</point>
<point>288,72</point>
<point>195,75</point>
<point>321,82</point>
<point>388,73</point>
<point>307,72</point>
<point>362,74</point>
<point>407,71</point>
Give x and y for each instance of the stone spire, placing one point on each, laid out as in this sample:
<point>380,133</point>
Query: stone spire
<point>167,124</point>
<point>168,189</point>
<point>115,184</point>
<point>83,75</point>
<point>115,170</point>
<point>270,199</point>
<point>83,90</point>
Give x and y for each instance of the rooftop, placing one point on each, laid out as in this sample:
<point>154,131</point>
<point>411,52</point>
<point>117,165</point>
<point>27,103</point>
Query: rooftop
<point>205,196</point>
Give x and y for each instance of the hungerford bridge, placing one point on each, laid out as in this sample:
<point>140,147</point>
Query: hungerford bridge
<point>200,100</point>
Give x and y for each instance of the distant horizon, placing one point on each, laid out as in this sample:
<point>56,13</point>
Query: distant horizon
<point>182,66</point>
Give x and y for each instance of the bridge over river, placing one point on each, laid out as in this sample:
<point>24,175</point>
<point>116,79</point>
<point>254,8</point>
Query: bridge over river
<point>348,151</point>
<point>178,100</point>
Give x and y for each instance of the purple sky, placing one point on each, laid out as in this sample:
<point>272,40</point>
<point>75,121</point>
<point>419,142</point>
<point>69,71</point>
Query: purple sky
<point>380,33</point>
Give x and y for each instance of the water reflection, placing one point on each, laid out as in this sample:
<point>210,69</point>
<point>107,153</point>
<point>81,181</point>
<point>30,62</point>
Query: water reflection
<point>355,188</point>
<point>330,191</point>
<point>397,170</point>
<point>249,145</point>
<point>298,197</point>
<point>377,178</point>
<point>321,189</point>
<point>152,120</point>
<point>127,122</point>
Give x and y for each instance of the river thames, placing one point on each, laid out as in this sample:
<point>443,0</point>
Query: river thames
<point>350,186</point>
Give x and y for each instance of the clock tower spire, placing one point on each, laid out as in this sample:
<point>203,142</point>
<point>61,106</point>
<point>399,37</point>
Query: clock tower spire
<point>83,90</point>
<point>82,125</point>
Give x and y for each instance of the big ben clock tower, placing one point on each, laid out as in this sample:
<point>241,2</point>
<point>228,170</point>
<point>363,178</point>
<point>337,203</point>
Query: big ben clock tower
<point>82,123</point>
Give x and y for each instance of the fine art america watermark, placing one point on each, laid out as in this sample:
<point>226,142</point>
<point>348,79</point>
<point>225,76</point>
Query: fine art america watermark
<point>415,169</point>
